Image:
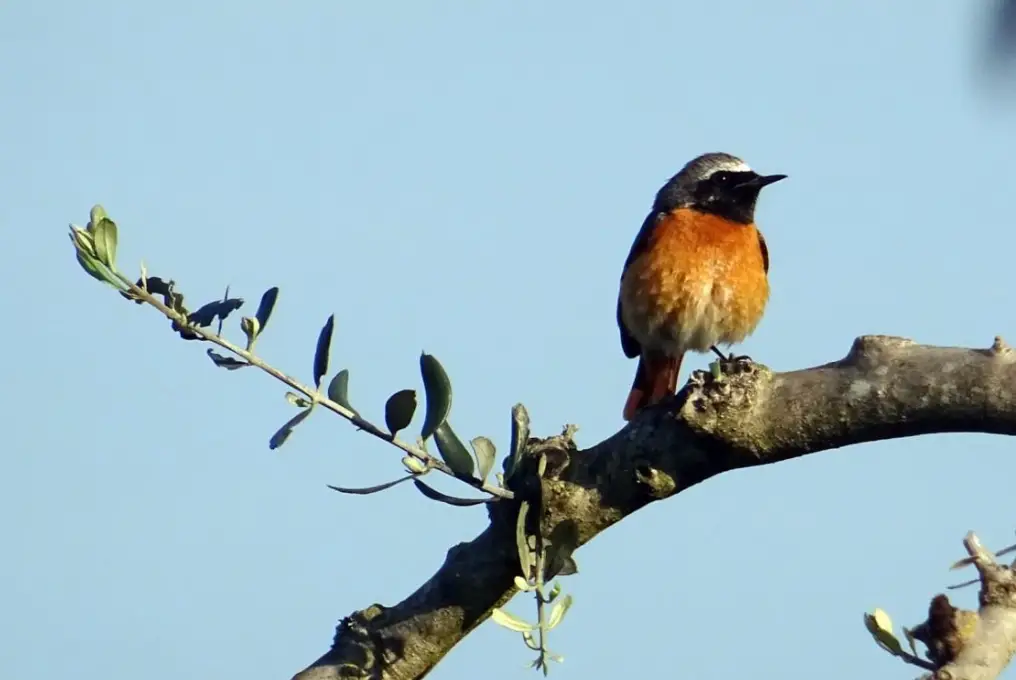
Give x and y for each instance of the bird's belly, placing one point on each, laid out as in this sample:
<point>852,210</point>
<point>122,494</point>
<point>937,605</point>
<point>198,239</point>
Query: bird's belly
<point>674,310</point>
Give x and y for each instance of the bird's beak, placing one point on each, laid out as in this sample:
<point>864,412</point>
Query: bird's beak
<point>766,180</point>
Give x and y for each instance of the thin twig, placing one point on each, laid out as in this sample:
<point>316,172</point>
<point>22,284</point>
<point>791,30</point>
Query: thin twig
<point>313,394</point>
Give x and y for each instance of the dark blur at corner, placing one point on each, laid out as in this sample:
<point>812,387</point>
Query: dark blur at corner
<point>998,58</point>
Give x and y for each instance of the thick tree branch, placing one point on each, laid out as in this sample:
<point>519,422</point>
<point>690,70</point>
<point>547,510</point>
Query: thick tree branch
<point>884,388</point>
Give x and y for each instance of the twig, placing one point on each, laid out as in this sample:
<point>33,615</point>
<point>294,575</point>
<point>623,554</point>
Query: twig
<point>314,395</point>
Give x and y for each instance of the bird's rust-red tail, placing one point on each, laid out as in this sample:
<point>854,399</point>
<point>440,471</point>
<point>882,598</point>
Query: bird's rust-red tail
<point>655,379</point>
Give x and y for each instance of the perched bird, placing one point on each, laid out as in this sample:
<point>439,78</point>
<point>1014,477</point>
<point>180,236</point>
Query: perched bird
<point>696,276</point>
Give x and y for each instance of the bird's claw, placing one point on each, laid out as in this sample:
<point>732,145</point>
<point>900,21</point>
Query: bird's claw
<point>730,364</point>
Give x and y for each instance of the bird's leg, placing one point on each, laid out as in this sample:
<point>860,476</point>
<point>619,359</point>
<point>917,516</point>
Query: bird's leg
<point>726,360</point>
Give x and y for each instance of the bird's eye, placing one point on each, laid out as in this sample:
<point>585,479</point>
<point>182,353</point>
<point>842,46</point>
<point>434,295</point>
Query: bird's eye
<point>721,177</point>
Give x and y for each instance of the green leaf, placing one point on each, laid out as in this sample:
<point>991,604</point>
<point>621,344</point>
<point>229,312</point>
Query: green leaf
<point>251,329</point>
<point>880,626</point>
<point>485,455</point>
<point>438,390</point>
<point>520,436</point>
<point>436,495</point>
<point>222,361</point>
<point>568,567</point>
<point>510,621</point>
<point>96,215</point>
<point>558,612</point>
<point>91,266</point>
<point>526,559</point>
<point>104,235</point>
<point>522,584</point>
<point>554,592</point>
<point>453,451</point>
<point>280,437</point>
<point>82,240</point>
<point>370,489</point>
<point>297,400</point>
<point>527,637</point>
<point>399,410</point>
<point>216,309</point>
<point>338,390</point>
<point>266,306</point>
<point>562,542</point>
<point>911,640</point>
<point>414,464</point>
<point>324,342</point>
<point>225,296</point>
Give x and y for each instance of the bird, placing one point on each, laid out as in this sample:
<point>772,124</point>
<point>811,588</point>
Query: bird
<point>696,275</point>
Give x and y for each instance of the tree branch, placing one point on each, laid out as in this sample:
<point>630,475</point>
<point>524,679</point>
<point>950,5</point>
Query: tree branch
<point>884,388</point>
<point>968,645</point>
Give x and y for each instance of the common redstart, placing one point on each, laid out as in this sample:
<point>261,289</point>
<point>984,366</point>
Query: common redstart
<point>696,276</point>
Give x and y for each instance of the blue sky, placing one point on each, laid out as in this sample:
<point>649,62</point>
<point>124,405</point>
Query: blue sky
<point>466,178</point>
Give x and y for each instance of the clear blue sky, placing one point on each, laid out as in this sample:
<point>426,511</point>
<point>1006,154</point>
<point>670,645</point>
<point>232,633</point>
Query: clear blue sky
<point>466,178</point>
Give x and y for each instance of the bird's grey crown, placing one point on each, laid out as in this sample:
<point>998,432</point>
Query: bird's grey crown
<point>705,165</point>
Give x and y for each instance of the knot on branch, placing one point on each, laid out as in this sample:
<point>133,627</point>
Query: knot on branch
<point>359,646</point>
<point>946,631</point>
<point>656,484</point>
<point>872,350</point>
<point>1000,349</point>
<point>729,392</point>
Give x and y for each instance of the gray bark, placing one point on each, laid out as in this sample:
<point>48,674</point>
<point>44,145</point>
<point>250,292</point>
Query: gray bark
<point>884,388</point>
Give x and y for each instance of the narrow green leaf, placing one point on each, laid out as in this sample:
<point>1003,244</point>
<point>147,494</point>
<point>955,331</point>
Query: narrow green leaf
<point>82,240</point>
<point>568,567</point>
<point>453,451</point>
<point>280,437</point>
<point>222,361</point>
<point>522,584</point>
<point>554,592</point>
<point>206,314</point>
<point>225,296</point>
<point>338,390</point>
<point>324,343</point>
<point>266,306</point>
<point>370,489</point>
<point>520,436</point>
<point>399,410</point>
<point>485,456</point>
<point>435,495</point>
<point>249,326</point>
<point>561,543</point>
<point>297,400</point>
<point>91,266</point>
<point>522,542</point>
<point>510,621</point>
<point>104,235</point>
<point>414,464</point>
<point>96,215</point>
<point>438,390</point>
<point>880,626</point>
<point>527,637</point>
<point>911,640</point>
<point>558,612</point>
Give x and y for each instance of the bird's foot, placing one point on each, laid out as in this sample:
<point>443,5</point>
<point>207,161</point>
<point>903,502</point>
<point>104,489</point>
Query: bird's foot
<point>731,361</point>
<point>729,364</point>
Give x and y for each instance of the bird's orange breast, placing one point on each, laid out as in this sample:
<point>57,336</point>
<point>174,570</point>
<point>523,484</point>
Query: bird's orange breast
<point>701,280</point>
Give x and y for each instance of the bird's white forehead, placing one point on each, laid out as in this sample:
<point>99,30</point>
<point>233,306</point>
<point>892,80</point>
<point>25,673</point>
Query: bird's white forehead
<point>729,165</point>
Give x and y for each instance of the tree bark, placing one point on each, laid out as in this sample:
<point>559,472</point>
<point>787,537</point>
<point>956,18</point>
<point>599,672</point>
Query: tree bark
<point>885,388</point>
<point>968,645</point>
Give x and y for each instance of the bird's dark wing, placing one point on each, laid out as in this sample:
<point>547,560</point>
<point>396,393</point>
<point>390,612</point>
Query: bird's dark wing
<point>765,251</point>
<point>629,344</point>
